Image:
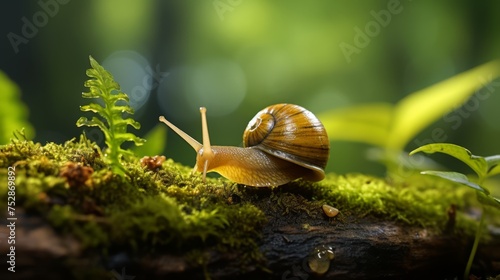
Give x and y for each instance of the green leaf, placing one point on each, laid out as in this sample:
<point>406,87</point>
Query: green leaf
<point>93,107</point>
<point>130,137</point>
<point>156,140</point>
<point>477,163</point>
<point>487,199</point>
<point>364,123</point>
<point>419,109</point>
<point>456,177</point>
<point>93,122</point>
<point>402,160</point>
<point>13,112</point>
<point>392,127</point>
<point>123,109</point>
<point>493,164</point>
<point>125,122</point>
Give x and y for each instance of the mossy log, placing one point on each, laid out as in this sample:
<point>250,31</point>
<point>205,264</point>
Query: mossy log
<point>364,248</point>
<point>76,219</point>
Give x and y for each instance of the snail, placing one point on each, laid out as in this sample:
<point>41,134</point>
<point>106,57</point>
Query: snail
<point>283,142</point>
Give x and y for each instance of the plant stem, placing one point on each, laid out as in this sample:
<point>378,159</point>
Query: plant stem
<point>474,247</point>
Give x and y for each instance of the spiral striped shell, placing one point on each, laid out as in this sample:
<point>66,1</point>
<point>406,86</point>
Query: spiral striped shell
<point>292,133</point>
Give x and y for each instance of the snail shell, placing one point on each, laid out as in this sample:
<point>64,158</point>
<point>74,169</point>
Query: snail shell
<point>292,133</point>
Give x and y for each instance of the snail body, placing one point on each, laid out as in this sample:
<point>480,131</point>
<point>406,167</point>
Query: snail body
<point>282,142</point>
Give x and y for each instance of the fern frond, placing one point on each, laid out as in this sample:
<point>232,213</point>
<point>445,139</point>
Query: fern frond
<point>93,122</point>
<point>112,123</point>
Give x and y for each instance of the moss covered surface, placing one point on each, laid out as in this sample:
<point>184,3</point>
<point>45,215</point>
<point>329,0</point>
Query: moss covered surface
<point>163,208</point>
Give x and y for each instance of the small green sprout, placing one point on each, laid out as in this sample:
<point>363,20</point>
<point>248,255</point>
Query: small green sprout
<point>103,86</point>
<point>484,167</point>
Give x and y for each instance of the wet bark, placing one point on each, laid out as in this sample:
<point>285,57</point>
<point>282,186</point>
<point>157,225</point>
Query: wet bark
<point>364,248</point>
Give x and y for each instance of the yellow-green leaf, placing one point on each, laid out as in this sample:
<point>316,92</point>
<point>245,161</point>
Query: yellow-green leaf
<point>13,112</point>
<point>156,139</point>
<point>364,123</point>
<point>419,109</point>
<point>456,177</point>
<point>477,163</point>
<point>493,164</point>
<point>487,199</point>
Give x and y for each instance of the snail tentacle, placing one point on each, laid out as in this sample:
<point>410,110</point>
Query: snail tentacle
<point>190,140</point>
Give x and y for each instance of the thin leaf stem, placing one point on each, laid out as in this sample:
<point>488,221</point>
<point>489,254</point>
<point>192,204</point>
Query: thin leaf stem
<point>475,245</point>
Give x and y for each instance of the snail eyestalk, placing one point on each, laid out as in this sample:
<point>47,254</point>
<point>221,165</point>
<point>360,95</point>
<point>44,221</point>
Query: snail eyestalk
<point>195,144</point>
<point>204,128</point>
<point>207,153</point>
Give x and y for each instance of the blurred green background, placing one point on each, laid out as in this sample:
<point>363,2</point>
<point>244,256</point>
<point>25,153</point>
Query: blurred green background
<point>238,56</point>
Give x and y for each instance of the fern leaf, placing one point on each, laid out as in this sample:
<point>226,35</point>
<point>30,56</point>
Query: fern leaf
<point>93,107</point>
<point>123,109</point>
<point>93,122</point>
<point>102,86</point>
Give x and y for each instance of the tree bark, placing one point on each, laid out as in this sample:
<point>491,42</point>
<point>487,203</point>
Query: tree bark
<point>364,248</point>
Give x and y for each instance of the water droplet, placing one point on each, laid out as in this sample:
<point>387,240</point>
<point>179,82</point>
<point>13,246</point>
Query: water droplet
<point>319,259</point>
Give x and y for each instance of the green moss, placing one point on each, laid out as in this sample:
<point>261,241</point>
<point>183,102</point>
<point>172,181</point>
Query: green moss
<point>169,210</point>
<point>418,200</point>
<point>146,210</point>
